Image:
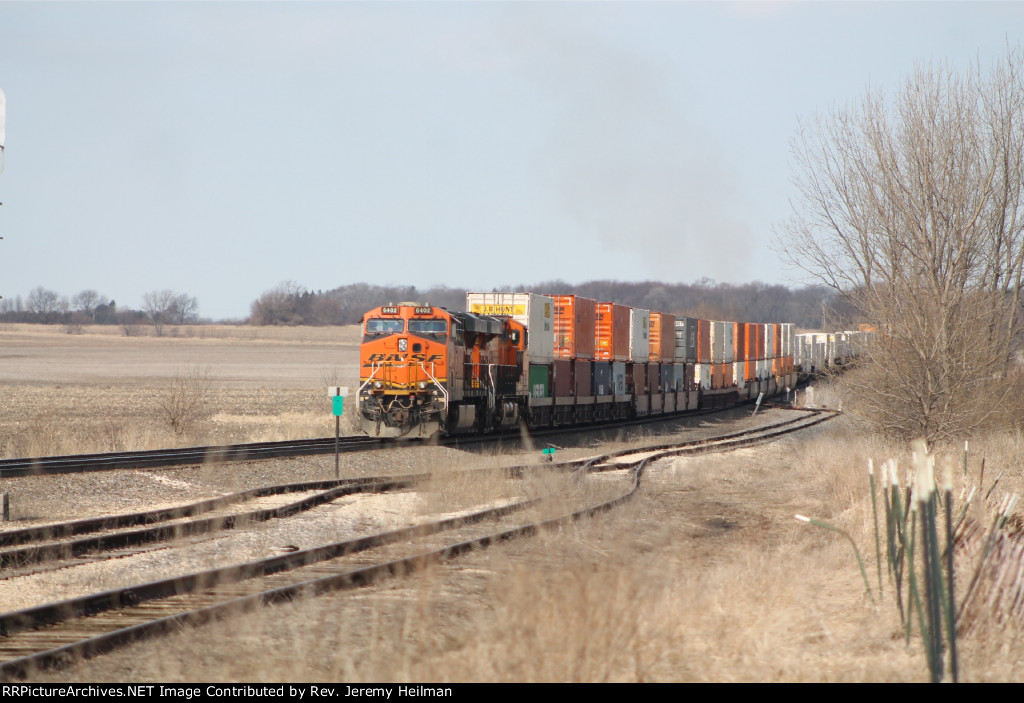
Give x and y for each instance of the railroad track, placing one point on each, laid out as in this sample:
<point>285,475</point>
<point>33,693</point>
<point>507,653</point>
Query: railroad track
<point>81,541</point>
<point>76,463</point>
<point>59,633</point>
<point>177,457</point>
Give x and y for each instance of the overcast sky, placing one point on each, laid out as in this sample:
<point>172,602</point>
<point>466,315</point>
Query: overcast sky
<point>219,149</point>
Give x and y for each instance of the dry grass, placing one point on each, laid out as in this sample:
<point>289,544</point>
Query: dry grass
<point>98,391</point>
<point>705,576</point>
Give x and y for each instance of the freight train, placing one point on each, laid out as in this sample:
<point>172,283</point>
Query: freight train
<point>547,360</point>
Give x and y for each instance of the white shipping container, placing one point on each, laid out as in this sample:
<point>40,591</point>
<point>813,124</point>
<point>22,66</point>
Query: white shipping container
<point>787,339</point>
<point>728,337</point>
<point>717,341</point>
<point>769,343</point>
<point>639,334</point>
<point>702,375</point>
<point>679,379</point>
<point>535,312</point>
<point>618,378</point>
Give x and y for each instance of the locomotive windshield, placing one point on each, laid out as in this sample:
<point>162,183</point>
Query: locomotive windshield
<point>428,327</point>
<point>379,326</point>
<point>432,329</point>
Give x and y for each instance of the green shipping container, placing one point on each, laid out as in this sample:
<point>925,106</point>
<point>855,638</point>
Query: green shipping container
<point>540,381</point>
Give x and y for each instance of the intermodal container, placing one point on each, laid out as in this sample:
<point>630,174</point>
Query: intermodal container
<point>739,372</point>
<point>535,312</point>
<point>561,378</point>
<point>686,340</point>
<point>575,318</point>
<point>540,381</point>
<point>739,341</point>
<point>663,336</point>
<point>751,341</point>
<point>717,340</point>
<point>787,339</point>
<point>601,378</point>
<point>612,332</point>
<point>639,335</point>
<point>667,378</point>
<point>727,376</point>
<point>776,341</point>
<point>639,378</point>
<point>653,377</point>
<point>618,378</point>
<point>680,380</point>
<point>768,349</point>
<point>704,341</point>
<point>582,377</point>
<point>702,376</point>
<point>728,340</point>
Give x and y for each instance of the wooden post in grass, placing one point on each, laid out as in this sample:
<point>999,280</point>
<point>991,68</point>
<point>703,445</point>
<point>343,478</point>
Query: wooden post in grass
<point>337,394</point>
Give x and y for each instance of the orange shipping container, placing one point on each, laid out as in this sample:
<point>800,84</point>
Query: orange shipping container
<point>611,342</point>
<point>739,341</point>
<point>751,340</point>
<point>575,319</point>
<point>663,336</point>
<point>727,381</point>
<point>703,341</point>
<point>777,341</point>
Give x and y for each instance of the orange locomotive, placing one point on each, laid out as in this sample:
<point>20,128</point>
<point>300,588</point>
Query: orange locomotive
<point>426,370</point>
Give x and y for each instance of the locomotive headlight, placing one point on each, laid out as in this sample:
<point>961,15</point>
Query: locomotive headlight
<point>403,345</point>
<point>378,384</point>
<point>423,385</point>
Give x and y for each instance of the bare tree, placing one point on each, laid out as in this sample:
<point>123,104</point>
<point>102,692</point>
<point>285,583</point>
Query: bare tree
<point>184,308</point>
<point>86,301</point>
<point>168,307</point>
<point>278,306</point>
<point>912,209</point>
<point>42,301</point>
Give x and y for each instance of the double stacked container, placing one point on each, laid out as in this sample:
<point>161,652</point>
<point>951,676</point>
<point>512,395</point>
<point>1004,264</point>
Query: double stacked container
<point>739,353</point>
<point>575,338</point>
<point>611,349</point>
<point>685,352</point>
<point>702,369</point>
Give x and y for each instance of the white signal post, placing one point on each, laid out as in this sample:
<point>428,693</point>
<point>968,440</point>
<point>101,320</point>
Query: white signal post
<point>337,394</point>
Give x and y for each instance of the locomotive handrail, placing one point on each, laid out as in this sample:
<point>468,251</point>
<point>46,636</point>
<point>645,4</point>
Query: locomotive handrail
<point>373,372</point>
<point>444,391</point>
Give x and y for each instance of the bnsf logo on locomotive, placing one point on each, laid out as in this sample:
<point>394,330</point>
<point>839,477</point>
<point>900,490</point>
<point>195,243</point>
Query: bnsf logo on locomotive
<point>379,358</point>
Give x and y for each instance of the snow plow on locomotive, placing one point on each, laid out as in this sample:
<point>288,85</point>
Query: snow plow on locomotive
<point>543,361</point>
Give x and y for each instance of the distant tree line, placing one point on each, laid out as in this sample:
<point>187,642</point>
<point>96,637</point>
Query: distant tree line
<point>808,307</point>
<point>46,306</point>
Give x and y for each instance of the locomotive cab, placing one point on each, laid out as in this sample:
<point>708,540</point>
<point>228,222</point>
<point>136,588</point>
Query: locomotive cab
<point>404,371</point>
<point>426,370</point>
